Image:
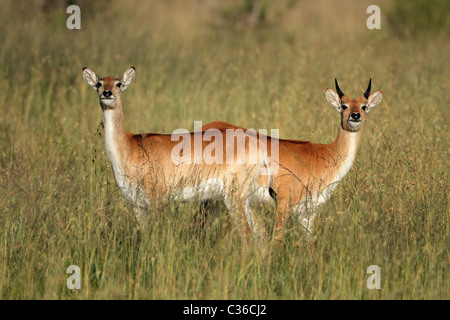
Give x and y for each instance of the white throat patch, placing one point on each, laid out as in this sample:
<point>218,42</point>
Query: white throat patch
<point>129,188</point>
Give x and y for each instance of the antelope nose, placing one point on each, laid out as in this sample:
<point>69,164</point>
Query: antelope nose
<point>107,94</point>
<point>356,116</point>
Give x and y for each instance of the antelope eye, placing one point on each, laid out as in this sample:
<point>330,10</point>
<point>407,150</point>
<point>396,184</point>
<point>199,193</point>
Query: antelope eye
<point>98,85</point>
<point>364,108</point>
<point>118,84</point>
<point>344,107</point>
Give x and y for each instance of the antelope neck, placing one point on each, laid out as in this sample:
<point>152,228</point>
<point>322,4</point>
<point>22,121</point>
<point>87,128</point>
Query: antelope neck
<point>345,147</point>
<point>117,143</point>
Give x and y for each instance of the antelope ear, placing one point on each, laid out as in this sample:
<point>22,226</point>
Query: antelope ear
<point>333,99</point>
<point>90,77</point>
<point>374,99</point>
<point>127,78</point>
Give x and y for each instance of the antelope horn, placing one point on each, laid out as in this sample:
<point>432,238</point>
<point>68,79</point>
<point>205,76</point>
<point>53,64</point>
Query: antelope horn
<point>367,93</point>
<point>338,90</point>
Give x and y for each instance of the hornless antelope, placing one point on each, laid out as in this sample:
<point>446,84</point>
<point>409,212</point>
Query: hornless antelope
<point>146,173</point>
<point>309,172</point>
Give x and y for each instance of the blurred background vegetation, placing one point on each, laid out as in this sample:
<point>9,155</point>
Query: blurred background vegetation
<point>412,18</point>
<point>259,64</point>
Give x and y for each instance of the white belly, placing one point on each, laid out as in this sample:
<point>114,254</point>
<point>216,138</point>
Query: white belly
<point>259,195</point>
<point>210,189</point>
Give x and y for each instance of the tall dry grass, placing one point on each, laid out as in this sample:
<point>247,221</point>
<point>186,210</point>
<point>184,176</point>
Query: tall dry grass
<point>59,204</point>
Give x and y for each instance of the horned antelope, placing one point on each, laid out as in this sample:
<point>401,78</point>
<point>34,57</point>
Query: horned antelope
<point>309,172</point>
<point>146,173</point>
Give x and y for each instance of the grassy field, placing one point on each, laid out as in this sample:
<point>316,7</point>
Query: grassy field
<point>200,60</point>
